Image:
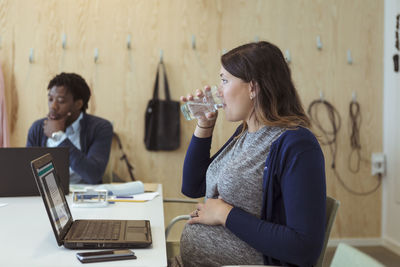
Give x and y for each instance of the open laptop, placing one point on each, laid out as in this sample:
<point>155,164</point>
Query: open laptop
<point>16,173</point>
<point>82,234</point>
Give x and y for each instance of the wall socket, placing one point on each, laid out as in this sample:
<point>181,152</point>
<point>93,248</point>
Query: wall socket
<point>378,163</point>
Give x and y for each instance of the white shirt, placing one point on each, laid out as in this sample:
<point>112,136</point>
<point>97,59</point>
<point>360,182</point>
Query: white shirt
<point>73,133</point>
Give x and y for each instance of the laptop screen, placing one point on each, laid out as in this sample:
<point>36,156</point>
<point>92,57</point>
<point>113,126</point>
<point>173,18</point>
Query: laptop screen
<point>54,197</point>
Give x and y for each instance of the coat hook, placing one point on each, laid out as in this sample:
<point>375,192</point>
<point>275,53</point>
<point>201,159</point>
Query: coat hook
<point>96,55</point>
<point>161,56</point>
<point>321,96</point>
<point>287,56</point>
<point>256,39</point>
<point>349,57</point>
<point>64,41</point>
<point>193,41</point>
<point>319,43</point>
<point>31,51</point>
<point>223,51</point>
<point>354,96</point>
<point>128,41</point>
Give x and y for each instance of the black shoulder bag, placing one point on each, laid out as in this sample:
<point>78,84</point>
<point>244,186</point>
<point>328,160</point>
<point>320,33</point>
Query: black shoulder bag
<point>162,119</point>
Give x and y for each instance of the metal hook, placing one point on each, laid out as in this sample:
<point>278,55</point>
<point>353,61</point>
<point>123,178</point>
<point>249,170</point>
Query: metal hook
<point>349,57</point>
<point>223,51</point>
<point>128,41</point>
<point>321,96</point>
<point>64,41</point>
<point>31,51</point>
<point>287,56</point>
<point>161,56</point>
<point>256,39</point>
<point>319,43</point>
<point>354,96</point>
<point>96,55</point>
<point>193,41</point>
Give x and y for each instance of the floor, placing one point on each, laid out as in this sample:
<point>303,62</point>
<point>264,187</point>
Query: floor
<point>381,254</point>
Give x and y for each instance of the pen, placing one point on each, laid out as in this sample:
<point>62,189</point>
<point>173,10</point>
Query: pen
<point>124,197</point>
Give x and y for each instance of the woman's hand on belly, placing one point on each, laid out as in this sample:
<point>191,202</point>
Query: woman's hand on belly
<point>212,212</point>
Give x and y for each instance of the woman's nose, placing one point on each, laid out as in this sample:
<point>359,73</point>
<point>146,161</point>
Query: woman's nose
<point>219,90</point>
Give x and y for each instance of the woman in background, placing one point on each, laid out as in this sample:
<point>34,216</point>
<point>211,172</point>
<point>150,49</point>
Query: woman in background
<point>265,188</point>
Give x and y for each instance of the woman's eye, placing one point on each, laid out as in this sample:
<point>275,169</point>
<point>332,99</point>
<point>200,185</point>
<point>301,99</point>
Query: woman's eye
<point>224,81</point>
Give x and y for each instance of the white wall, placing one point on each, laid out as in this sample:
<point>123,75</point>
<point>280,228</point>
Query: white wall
<point>391,131</point>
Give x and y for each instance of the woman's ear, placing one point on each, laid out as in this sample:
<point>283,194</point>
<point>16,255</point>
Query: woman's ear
<point>253,90</point>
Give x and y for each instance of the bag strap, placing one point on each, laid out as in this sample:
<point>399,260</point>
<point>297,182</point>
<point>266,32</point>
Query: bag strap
<point>166,86</point>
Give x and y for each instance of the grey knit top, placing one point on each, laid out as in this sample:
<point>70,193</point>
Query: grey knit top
<point>236,176</point>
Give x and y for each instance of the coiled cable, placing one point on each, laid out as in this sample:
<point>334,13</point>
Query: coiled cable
<point>355,122</point>
<point>330,136</point>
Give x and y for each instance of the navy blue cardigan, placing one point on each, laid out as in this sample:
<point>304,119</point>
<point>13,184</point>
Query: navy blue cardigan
<point>292,225</point>
<point>91,161</point>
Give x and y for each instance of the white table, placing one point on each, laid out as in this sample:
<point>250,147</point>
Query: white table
<point>27,239</point>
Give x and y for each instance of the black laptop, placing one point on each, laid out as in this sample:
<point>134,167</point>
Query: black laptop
<point>82,234</point>
<point>16,173</point>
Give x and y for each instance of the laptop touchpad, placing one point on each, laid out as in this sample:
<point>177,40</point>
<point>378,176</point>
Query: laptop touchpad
<point>136,231</point>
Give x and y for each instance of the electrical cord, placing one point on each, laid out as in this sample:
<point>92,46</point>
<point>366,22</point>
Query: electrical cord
<point>355,122</point>
<point>330,137</point>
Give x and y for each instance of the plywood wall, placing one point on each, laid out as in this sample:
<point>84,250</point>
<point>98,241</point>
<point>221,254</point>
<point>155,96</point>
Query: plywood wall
<point>122,79</point>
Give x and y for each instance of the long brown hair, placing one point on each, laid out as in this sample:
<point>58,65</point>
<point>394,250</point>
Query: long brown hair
<point>277,102</point>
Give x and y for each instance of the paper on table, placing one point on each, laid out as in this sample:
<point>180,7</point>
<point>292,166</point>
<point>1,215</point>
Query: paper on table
<point>146,196</point>
<point>3,204</point>
<point>135,198</point>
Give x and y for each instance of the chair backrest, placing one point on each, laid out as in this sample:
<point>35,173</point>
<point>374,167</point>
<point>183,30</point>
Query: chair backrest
<point>116,170</point>
<point>346,256</point>
<point>332,206</point>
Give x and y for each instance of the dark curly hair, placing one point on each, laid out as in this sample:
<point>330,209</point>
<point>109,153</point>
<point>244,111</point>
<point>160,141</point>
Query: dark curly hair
<point>75,84</point>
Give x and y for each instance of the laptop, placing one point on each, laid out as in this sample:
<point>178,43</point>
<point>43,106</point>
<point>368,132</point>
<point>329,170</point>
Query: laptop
<point>82,234</point>
<point>16,174</point>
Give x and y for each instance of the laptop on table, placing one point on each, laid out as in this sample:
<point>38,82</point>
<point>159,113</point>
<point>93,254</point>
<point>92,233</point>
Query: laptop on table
<point>16,173</point>
<point>81,234</point>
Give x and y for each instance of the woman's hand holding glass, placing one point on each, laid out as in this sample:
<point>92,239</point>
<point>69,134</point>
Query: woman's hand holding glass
<point>205,123</point>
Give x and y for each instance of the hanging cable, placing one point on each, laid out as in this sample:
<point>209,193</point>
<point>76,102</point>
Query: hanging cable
<point>355,122</point>
<point>330,137</point>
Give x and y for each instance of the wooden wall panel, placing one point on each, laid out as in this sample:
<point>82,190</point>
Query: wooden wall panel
<point>122,80</point>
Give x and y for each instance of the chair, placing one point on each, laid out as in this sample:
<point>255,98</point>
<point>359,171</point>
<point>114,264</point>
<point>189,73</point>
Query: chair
<point>332,206</point>
<point>173,247</point>
<point>348,256</point>
<point>115,166</point>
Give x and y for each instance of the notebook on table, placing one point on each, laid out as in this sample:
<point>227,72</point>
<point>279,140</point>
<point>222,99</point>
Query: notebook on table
<point>82,234</point>
<point>16,173</point>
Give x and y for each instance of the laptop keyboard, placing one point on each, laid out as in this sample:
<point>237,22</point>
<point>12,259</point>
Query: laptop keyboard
<point>97,230</point>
